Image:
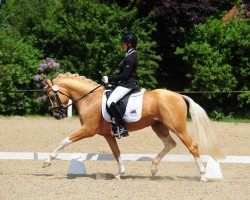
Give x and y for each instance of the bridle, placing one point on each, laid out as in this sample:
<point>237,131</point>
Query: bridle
<point>61,109</point>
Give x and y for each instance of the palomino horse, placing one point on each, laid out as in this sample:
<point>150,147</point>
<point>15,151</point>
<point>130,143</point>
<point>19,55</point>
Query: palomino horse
<point>163,110</point>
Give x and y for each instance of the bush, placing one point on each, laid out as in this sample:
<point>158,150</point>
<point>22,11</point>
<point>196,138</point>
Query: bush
<point>18,62</point>
<point>84,36</point>
<point>218,54</point>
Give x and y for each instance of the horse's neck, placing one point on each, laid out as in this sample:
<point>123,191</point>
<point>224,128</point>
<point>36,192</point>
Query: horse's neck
<point>89,102</point>
<point>78,89</point>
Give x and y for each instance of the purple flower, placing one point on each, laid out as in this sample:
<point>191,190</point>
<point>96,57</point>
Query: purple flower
<point>42,66</point>
<point>55,64</point>
<point>47,68</point>
<point>42,98</point>
<point>43,82</point>
<point>38,77</point>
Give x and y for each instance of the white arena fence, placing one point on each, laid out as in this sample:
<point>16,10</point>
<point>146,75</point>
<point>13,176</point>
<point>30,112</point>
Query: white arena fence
<point>110,157</point>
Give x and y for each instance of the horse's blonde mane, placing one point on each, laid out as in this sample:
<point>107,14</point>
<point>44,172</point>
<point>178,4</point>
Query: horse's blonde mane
<point>68,75</point>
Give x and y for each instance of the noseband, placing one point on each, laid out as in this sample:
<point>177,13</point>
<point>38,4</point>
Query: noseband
<point>61,110</point>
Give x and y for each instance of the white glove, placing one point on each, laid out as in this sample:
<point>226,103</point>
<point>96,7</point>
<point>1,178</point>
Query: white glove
<point>105,79</point>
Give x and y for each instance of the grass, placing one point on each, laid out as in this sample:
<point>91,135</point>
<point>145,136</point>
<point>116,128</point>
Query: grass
<point>233,120</point>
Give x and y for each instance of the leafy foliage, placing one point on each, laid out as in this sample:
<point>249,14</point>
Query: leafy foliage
<point>172,17</point>
<point>219,56</point>
<point>84,36</point>
<point>85,42</point>
<point>17,68</point>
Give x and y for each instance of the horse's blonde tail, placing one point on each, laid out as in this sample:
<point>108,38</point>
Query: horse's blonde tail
<point>204,130</point>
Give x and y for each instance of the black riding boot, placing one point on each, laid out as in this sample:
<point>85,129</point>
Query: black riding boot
<point>121,130</point>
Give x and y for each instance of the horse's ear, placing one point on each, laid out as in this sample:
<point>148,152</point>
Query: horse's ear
<point>48,83</point>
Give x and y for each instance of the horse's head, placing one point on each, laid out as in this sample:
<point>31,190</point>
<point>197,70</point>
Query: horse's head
<point>59,99</point>
<point>68,86</point>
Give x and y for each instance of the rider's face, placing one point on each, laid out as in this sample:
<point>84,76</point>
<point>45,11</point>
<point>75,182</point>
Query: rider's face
<point>124,46</point>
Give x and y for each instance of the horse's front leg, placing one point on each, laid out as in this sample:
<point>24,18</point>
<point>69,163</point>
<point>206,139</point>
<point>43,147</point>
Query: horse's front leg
<point>84,132</point>
<point>116,152</point>
<point>53,155</point>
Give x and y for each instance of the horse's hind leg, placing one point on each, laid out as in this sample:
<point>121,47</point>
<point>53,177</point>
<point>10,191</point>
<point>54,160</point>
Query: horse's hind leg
<point>169,143</point>
<point>193,148</point>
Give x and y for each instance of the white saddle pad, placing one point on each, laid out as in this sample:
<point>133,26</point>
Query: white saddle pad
<point>133,109</point>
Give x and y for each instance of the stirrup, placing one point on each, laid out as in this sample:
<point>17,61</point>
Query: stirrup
<point>120,132</point>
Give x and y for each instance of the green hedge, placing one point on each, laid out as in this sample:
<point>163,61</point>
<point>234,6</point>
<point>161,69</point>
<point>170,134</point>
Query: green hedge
<point>18,63</point>
<point>218,56</point>
<point>83,36</point>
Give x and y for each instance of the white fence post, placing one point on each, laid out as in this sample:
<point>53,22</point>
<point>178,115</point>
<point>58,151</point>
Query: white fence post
<point>70,108</point>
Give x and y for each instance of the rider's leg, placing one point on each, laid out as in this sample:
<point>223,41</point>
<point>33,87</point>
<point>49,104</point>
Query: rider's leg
<point>116,95</point>
<point>121,125</point>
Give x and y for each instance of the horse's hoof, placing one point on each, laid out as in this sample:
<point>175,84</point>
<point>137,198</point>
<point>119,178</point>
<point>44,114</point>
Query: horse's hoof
<point>122,172</point>
<point>118,176</point>
<point>154,171</point>
<point>46,164</point>
<point>203,179</point>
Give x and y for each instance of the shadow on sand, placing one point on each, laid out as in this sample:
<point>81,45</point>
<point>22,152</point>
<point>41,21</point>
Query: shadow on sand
<point>108,176</point>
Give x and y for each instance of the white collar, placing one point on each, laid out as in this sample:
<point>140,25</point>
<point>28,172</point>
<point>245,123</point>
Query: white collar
<point>131,50</point>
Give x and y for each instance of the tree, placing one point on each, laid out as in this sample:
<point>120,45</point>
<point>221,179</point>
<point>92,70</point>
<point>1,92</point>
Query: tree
<point>172,16</point>
<point>85,42</point>
<point>83,36</point>
<point>17,67</point>
<point>219,56</point>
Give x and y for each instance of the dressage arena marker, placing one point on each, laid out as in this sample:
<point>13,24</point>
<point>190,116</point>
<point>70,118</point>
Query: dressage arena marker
<point>213,170</point>
<point>77,165</point>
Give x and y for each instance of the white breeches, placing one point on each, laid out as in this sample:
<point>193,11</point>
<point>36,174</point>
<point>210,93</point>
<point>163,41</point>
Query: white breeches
<point>117,94</point>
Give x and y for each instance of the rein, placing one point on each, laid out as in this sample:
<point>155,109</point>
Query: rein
<point>73,102</point>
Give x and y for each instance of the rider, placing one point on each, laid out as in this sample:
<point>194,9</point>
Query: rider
<point>125,81</point>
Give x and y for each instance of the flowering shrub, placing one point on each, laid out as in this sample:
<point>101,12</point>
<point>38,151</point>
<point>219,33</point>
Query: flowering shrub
<point>47,69</point>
